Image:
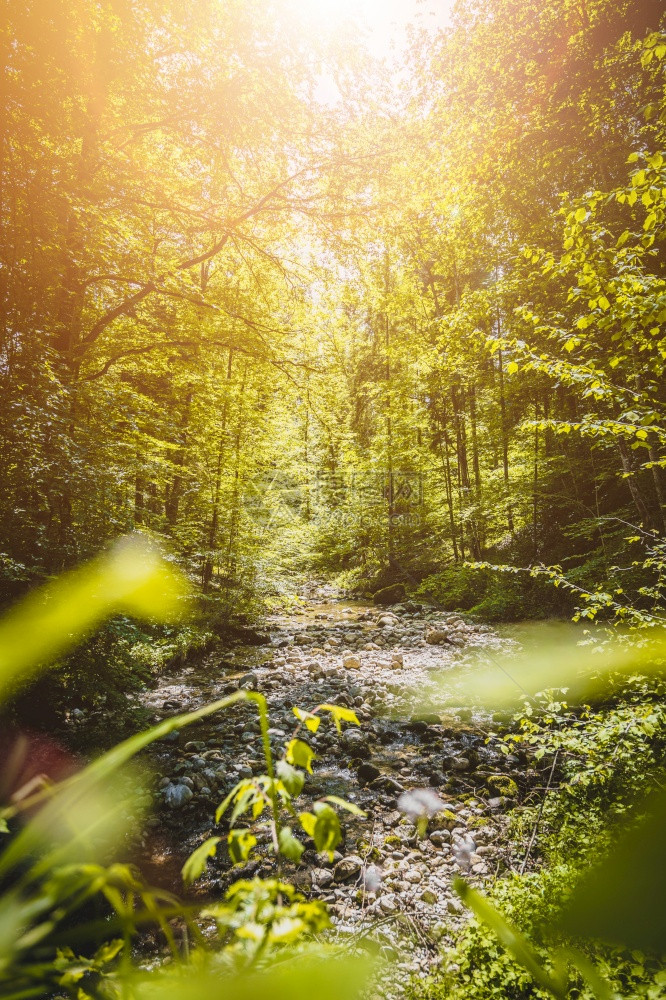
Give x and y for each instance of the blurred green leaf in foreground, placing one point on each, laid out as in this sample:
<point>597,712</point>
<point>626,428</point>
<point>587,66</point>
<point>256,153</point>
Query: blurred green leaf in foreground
<point>502,680</point>
<point>131,578</point>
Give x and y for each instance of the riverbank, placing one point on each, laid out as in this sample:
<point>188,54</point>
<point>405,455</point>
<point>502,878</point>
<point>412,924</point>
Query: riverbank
<point>385,883</point>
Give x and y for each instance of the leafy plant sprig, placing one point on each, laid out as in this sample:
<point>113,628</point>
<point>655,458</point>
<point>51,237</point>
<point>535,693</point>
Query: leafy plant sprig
<point>278,789</point>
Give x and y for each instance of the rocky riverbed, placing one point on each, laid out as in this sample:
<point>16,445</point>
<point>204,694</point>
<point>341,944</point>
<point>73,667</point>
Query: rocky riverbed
<point>385,884</point>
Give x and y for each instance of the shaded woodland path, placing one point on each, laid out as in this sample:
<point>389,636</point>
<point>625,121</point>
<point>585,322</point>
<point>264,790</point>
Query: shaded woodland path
<point>387,664</point>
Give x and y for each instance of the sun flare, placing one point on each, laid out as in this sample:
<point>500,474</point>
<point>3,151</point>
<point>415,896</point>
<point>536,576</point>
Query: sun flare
<point>383,22</point>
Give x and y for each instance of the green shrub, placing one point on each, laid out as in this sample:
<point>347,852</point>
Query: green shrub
<point>493,597</point>
<point>456,589</point>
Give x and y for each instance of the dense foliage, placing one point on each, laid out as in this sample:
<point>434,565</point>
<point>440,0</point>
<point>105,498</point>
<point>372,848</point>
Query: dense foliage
<point>297,312</point>
<point>377,332</point>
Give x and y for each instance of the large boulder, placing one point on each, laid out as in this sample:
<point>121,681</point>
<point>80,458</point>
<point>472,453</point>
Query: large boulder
<point>390,595</point>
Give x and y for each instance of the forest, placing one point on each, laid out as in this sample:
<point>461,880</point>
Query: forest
<point>332,353</point>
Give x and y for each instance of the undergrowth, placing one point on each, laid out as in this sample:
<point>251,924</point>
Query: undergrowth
<point>596,763</point>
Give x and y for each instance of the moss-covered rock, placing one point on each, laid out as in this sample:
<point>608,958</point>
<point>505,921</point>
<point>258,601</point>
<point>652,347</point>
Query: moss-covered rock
<point>501,784</point>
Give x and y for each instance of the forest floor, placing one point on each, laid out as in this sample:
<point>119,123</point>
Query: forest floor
<point>385,885</point>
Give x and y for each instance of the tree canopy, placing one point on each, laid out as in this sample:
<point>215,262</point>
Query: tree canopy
<point>287,308</point>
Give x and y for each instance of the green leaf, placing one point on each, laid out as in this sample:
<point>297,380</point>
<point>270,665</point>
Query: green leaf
<point>299,753</point>
<point>292,779</point>
<point>196,863</point>
<point>509,937</point>
<point>561,662</point>
<point>308,821</point>
<point>622,899</point>
<point>226,802</point>
<point>300,978</point>
<point>247,797</point>
<point>598,985</point>
<point>341,714</point>
<point>131,579</point>
<point>239,844</point>
<point>581,215</point>
<point>512,368</point>
<point>349,806</point>
<point>290,847</point>
<point>327,833</point>
<point>311,720</point>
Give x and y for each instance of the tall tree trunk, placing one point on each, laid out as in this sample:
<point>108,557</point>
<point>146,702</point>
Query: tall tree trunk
<point>535,487</point>
<point>306,457</point>
<point>505,439</point>
<point>446,464</point>
<point>630,474</point>
<point>68,313</point>
<point>175,490</point>
<point>70,301</point>
<point>479,519</point>
<point>457,402</point>
<point>213,527</point>
<point>234,520</point>
<point>658,476</point>
<point>139,495</point>
<point>390,497</point>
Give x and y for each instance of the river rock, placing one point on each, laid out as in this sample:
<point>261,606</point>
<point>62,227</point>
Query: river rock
<point>349,866</point>
<point>367,773</point>
<point>437,637</point>
<point>499,803</point>
<point>356,743</point>
<point>351,663</point>
<point>388,904</point>
<point>386,784</point>
<point>460,764</point>
<point>322,877</point>
<point>176,796</point>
